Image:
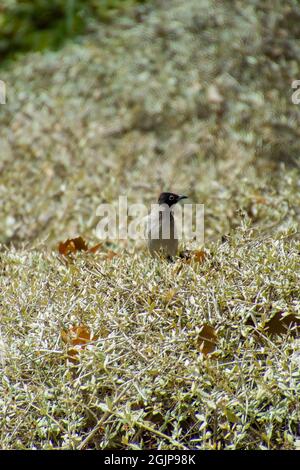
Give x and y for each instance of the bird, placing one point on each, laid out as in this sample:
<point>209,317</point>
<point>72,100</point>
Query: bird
<point>161,230</point>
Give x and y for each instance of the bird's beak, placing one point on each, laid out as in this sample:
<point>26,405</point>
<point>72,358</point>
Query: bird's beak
<point>181,196</point>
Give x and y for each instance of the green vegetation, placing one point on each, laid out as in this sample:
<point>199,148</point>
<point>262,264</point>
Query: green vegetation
<point>192,96</point>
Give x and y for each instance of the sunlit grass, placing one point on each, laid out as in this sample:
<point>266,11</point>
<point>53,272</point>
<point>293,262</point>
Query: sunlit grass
<point>130,112</point>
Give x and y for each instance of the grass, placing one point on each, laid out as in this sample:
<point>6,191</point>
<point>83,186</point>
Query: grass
<point>203,108</point>
<point>38,25</point>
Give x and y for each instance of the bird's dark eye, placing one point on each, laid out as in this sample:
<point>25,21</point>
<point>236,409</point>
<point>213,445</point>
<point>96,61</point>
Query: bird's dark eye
<point>171,198</point>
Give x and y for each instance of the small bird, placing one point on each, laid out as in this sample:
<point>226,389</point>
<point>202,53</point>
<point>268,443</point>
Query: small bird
<point>161,231</point>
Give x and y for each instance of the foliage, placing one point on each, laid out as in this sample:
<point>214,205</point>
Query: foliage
<point>41,24</point>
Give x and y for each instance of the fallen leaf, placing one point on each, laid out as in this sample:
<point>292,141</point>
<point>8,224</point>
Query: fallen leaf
<point>207,339</point>
<point>76,338</point>
<point>277,325</point>
<point>72,355</point>
<point>199,256</point>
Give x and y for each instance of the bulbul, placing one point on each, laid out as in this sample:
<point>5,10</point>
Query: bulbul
<point>161,231</point>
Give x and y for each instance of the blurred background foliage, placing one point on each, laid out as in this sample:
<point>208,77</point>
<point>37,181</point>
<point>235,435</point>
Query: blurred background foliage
<point>42,24</point>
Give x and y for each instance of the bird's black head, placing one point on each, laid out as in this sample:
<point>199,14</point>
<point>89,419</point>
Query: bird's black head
<point>170,198</point>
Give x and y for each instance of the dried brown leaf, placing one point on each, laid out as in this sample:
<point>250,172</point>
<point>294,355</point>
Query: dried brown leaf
<point>207,339</point>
